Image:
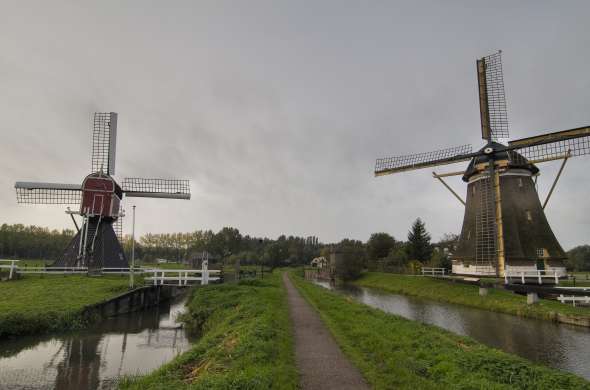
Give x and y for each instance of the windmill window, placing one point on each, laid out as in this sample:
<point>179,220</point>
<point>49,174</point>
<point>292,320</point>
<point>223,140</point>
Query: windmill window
<point>468,234</point>
<point>529,216</point>
<point>540,252</point>
<point>473,190</point>
<point>520,182</point>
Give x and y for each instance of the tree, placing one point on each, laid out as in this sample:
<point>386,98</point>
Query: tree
<point>379,245</point>
<point>419,247</point>
<point>398,257</point>
<point>350,257</point>
<point>440,259</point>
<point>226,242</point>
<point>275,254</point>
<point>579,258</point>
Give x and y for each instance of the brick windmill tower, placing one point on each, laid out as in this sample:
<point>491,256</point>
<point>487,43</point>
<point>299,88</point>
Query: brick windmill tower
<point>504,226</point>
<point>99,198</point>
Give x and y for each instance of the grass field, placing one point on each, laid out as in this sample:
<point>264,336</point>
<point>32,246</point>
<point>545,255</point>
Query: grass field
<point>246,341</point>
<point>40,304</point>
<point>497,300</point>
<point>582,280</point>
<point>393,352</point>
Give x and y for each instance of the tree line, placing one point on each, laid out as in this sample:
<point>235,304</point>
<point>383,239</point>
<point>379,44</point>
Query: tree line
<point>33,242</point>
<point>381,252</point>
<point>227,245</point>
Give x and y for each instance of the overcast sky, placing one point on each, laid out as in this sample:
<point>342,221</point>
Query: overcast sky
<point>276,111</point>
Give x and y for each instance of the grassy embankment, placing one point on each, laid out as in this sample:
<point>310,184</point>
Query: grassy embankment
<point>393,352</point>
<point>497,300</point>
<point>246,341</point>
<point>40,304</point>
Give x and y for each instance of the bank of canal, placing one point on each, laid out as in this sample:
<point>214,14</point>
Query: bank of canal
<point>556,345</point>
<point>97,357</point>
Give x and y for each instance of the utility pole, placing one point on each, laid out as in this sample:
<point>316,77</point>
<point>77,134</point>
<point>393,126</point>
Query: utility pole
<point>131,274</point>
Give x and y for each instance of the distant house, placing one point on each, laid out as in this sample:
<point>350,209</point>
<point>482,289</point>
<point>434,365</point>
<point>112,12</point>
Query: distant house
<point>319,262</point>
<point>161,261</point>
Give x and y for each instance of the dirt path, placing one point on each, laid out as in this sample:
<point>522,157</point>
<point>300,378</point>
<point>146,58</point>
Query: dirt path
<point>321,363</point>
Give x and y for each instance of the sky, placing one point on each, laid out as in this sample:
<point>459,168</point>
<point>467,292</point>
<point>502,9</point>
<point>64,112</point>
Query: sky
<point>277,110</point>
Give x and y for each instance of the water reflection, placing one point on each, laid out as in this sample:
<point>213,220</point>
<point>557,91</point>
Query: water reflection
<point>557,345</point>
<point>96,358</point>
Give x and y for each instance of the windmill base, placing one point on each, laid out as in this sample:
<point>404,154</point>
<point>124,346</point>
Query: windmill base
<point>103,249</point>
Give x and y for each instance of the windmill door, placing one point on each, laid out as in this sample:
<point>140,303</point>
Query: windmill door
<point>98,204</point>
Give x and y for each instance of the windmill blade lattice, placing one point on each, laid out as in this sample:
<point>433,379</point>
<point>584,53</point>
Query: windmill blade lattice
<point>48,193</point>
<point>492,99</point>
<point>104,142</point>
<point>574,142</point>
<point>385,166</point>
<point>156,188</point>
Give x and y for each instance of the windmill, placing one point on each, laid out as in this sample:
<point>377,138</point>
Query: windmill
<point>504,226</point>
<point>99,197</point>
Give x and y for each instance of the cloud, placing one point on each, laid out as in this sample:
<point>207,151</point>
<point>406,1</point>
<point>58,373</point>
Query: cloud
<point>277,111</point>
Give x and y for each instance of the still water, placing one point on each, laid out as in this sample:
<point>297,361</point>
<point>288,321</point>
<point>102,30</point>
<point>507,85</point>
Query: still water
<point>96,358</point>
<point>562,346</point>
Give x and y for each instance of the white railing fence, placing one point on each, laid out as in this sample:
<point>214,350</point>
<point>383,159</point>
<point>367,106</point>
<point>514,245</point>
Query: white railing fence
<point>182,277</point>
<point>433,271</point>
<point>573,299</point>
<point>539,275</point>
<point>160,277</point>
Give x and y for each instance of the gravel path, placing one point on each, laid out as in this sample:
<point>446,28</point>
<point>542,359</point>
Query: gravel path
<point>321,363</point>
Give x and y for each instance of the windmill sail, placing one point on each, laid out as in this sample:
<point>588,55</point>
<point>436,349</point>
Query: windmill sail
<point>390,165</point>
<point>156,188</point>
<point>551,146</point>
<point>48,193</point>
<point>492,99</point>
<point>104,142</point>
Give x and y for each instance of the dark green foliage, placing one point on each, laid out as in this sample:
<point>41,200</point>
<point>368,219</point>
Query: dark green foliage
<point>395,353</point>
<point>419,247</point>
<point>350,257</point>
<point>440,259</point>
<point>246,341</point>
<point>379,245</point>
<point>398,256</point>
<point>32,242</point>
<point>579,258</point>
<point>226,242</point>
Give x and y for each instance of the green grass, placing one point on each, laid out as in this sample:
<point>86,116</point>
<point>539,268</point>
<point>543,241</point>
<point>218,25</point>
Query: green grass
<point>35,304</point>
<point>393,352</point>
<point>582,280</point>
<point>246,341</point>
<point>497,300</point>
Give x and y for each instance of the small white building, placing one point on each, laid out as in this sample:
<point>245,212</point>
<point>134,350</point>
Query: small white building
<point>319,262</point>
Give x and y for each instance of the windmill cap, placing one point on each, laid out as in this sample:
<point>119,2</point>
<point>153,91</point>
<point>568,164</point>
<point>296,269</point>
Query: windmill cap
<point>497,152</point>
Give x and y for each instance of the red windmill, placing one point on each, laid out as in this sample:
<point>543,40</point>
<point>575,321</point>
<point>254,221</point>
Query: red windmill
<point>99,196</point>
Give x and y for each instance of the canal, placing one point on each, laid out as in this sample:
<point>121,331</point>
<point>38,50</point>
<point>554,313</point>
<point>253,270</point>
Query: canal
<point>561,346</point>
<point>96,358</point>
